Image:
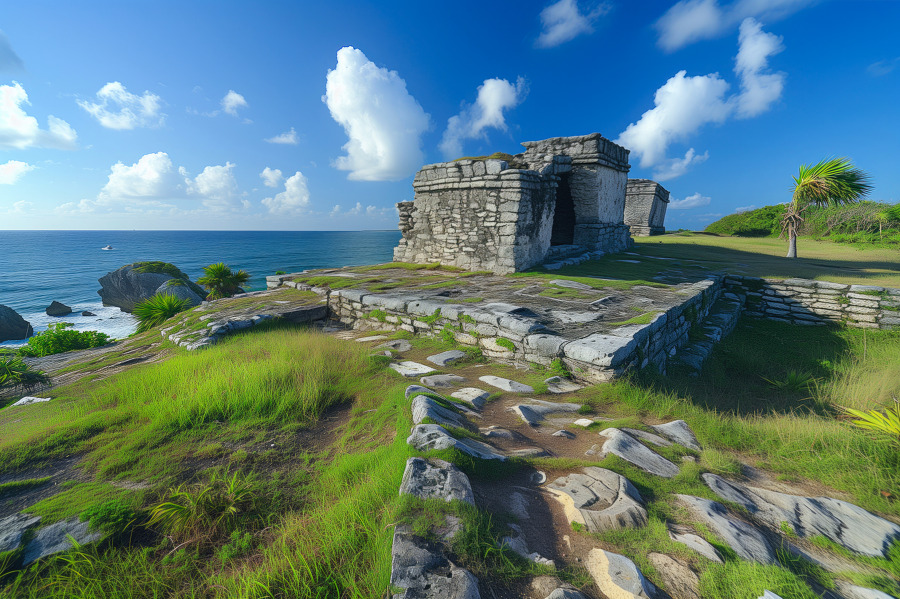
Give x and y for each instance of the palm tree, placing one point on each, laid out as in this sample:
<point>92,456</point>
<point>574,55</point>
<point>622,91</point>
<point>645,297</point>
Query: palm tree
<point>222,281</point>
<point>833,181</point>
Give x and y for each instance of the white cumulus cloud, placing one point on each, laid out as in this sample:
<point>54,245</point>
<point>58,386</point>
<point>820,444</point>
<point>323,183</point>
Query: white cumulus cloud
<point>232,102</point>
<point>117,108</point>
<point>153,176</point>
<point>685,104</point>
<point>9,60</point>
<point>692,201</point>
<point>745,208</point>
<point>287,138</point>
<point>689,21</point>
<point>294,199</point>
<point>563,21</point>
<point>18,130</point>
<point>216,186</point>
<point>271,177</point>
<point>383,122</point>
<point>494,97</point>
<point>12,171</point>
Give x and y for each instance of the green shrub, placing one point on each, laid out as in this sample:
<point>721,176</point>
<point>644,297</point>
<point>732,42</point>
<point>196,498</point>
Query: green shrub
<point>207,508</point>
<point>14,372</point>
<point>241,544</point>
<point>113,516</point>
<point>559,368</point>
<point>762,222</point>
<point>886,422</point>
<point>58,338</point>
<point>379,315</point>
<point>280,272</point>
<point>221,281</point>
<point>157,309</point>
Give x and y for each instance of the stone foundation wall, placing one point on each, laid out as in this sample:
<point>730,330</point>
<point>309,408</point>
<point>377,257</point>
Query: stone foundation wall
<point>506,335</point>
<point>807,302</point>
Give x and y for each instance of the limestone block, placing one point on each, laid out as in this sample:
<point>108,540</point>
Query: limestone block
<point>599,500</point>
<point>428,437</point>
<point>436,479</point>
<point>617,577</point>
<point>748,542</point>
<point>626,447</point>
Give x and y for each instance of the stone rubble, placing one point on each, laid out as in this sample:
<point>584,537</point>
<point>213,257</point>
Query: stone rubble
<point>558,385</point>
<point>421,569</point>
<point>424,407</point>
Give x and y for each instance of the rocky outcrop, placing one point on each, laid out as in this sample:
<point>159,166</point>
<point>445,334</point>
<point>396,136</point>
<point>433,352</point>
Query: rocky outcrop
<point>420,569</point>
<point>12,325</point>
<point>58,309</point>
<point>617,576</point>
<point>179,289</point>
<point>436,480</point>
<point>58,537</point>
<point>599,500</point>
<point>135,282</point>
<point>629,449</point>
<point>748,542</point>
<point>13,528</point>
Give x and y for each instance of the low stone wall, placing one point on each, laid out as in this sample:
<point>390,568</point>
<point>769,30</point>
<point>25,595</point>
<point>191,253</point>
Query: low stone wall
<point>808,302</point>
<point>507,333</point>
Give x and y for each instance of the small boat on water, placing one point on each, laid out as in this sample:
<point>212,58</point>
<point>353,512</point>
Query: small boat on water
<point>109,247</point>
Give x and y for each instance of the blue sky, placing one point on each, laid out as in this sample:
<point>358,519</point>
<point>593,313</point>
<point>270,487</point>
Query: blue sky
<point>302,115</point>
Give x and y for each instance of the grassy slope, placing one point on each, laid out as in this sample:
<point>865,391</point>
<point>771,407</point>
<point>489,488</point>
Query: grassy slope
<point>763,257</point>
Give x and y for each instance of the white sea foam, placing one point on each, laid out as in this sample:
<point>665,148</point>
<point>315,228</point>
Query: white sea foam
<point>112,321</point>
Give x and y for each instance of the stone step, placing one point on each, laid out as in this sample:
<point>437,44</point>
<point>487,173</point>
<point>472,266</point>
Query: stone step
<point>718,324</point>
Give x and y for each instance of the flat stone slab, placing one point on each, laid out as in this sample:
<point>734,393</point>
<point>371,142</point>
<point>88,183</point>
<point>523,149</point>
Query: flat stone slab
<point>428,437</point>
<point>442,380</point>
<point>679,432</point>
<point>648,437</point>
<point>570,284</point>
<point>846,524</point>
<point>563,433</point>
<point>617,576</point>
<point>399,345</point>
<point>370,338</point>
<point>558,385</point>
<point>414,390</point>
<point>600,349</point>
<point>745,539</point>
<point>852,591</point>
<point>678,578</point>
<point>536,410</point>
<point>447,357</point>
<point>472,395</point>
<point>506,384</point>
<point>12,528</point>
<point>585,422</point>
<point>599,500</point>
<point>27,401</point>
<point>408,368</point>
<point>684,535</point>
<point>55,538</point>
<point>436,480</point>
<point>427,408</point>
<point>421,570</point>
<point>629,449</point>
<point>530,452</point>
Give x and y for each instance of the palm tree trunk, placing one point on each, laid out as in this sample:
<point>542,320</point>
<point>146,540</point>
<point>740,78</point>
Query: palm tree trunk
<point>792,243</point>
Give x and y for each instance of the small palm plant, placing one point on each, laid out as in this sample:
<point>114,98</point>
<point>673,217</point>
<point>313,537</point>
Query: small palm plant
<point>221,281</point>
<point>14,372</point>
<point>205,509</point>
<point>830,182</point>
<point>887,422</point>
<point>157,309</point>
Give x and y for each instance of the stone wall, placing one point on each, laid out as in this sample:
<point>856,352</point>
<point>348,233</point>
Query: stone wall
<point>645,207</point>
<point>489,215</point>
<point>807,302</point>
<point>505,333</point>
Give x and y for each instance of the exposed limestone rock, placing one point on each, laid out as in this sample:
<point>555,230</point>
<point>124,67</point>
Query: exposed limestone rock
<point>422,570</point>
<point>617,576</point>
<point>414,390</point>
<point>535,410</point>
<point>370,338</point>
<point>447,357</point>
<point>57,309</point>
<point>679,432</point>
<point>55,538</point>
<point>844,523</point>
<point>12,528</point>
<point>565,594</point>
<point>626,447</point>
<point>424,407</point>
<point>442,380</point>
<point>585,422</point>
<point>529,452</point>
<point>506,384</point>
<point>852,591</point>
<point>498,433</point>
<point>746,540</point>
<point>126,286</point>
<point>27,401</point>
<point>177,288</point>
<point>564,433</point>
<point>600,500</point>
<point>516,542</point>
<point>428,437</point>
<point>685,536</point>
<point>13,326</point>
<point>410,369</point>
<point>398,345</point>
<point>435,480</point>
<point>471,395</point>
<point>558,385</point>
<point>648,437</point>
<point>680,581</point>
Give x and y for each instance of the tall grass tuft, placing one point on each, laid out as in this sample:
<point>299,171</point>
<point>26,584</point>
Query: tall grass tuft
<point>157,309</point>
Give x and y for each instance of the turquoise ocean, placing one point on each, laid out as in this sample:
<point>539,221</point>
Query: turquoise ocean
<point>38,267</point>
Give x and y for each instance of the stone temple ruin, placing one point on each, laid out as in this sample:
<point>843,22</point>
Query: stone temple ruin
<point>562,197</point>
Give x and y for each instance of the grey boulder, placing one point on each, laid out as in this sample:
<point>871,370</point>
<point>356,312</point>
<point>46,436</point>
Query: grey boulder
<point>426,408</point>
<point>126,286</point>
<point>58,309</point>
<point>678,578</point>
<point>432,437</point>
<point>748,542</point>
<point>617,576</point>
<point>447,357</point>
<point>420,570</point>
<point>13,326</point>
<point>177,288</point>
<point>629,449</point>
<point>56,538</point>
<point>599,500</point>
<point>442,380</point>
<point>12,528</point>
<point>533,412</point>
<point>679,432</point>
<point>435,480</point>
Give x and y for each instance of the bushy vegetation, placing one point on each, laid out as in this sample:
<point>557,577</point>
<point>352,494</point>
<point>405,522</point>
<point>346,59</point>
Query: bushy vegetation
<point>14,372</point>
<point>166,268</point>
<point>221,281</point>
<point>157,309</point>
<point>872,223</point>
<point>61,337</point>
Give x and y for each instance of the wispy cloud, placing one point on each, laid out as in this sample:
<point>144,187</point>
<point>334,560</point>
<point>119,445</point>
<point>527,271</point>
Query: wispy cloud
<point>495,96</point>
<point>13,170</point>
<point>383,122</point>
<point>18,130</point>
<point>287,138</point>
<point>117,108</point>
<point>692,201</point>
<point>883,67</point>
<point>563,21</point>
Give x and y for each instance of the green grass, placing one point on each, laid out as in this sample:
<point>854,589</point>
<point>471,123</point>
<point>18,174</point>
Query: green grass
<point>76,498</point>
<point>645,318</point>
<point>17,486</point>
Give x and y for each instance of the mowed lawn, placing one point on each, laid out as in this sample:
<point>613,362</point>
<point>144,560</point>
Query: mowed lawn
<point>764,257</point>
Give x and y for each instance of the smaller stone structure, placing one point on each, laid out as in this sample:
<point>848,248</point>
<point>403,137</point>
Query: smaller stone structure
<point>645,207</point>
